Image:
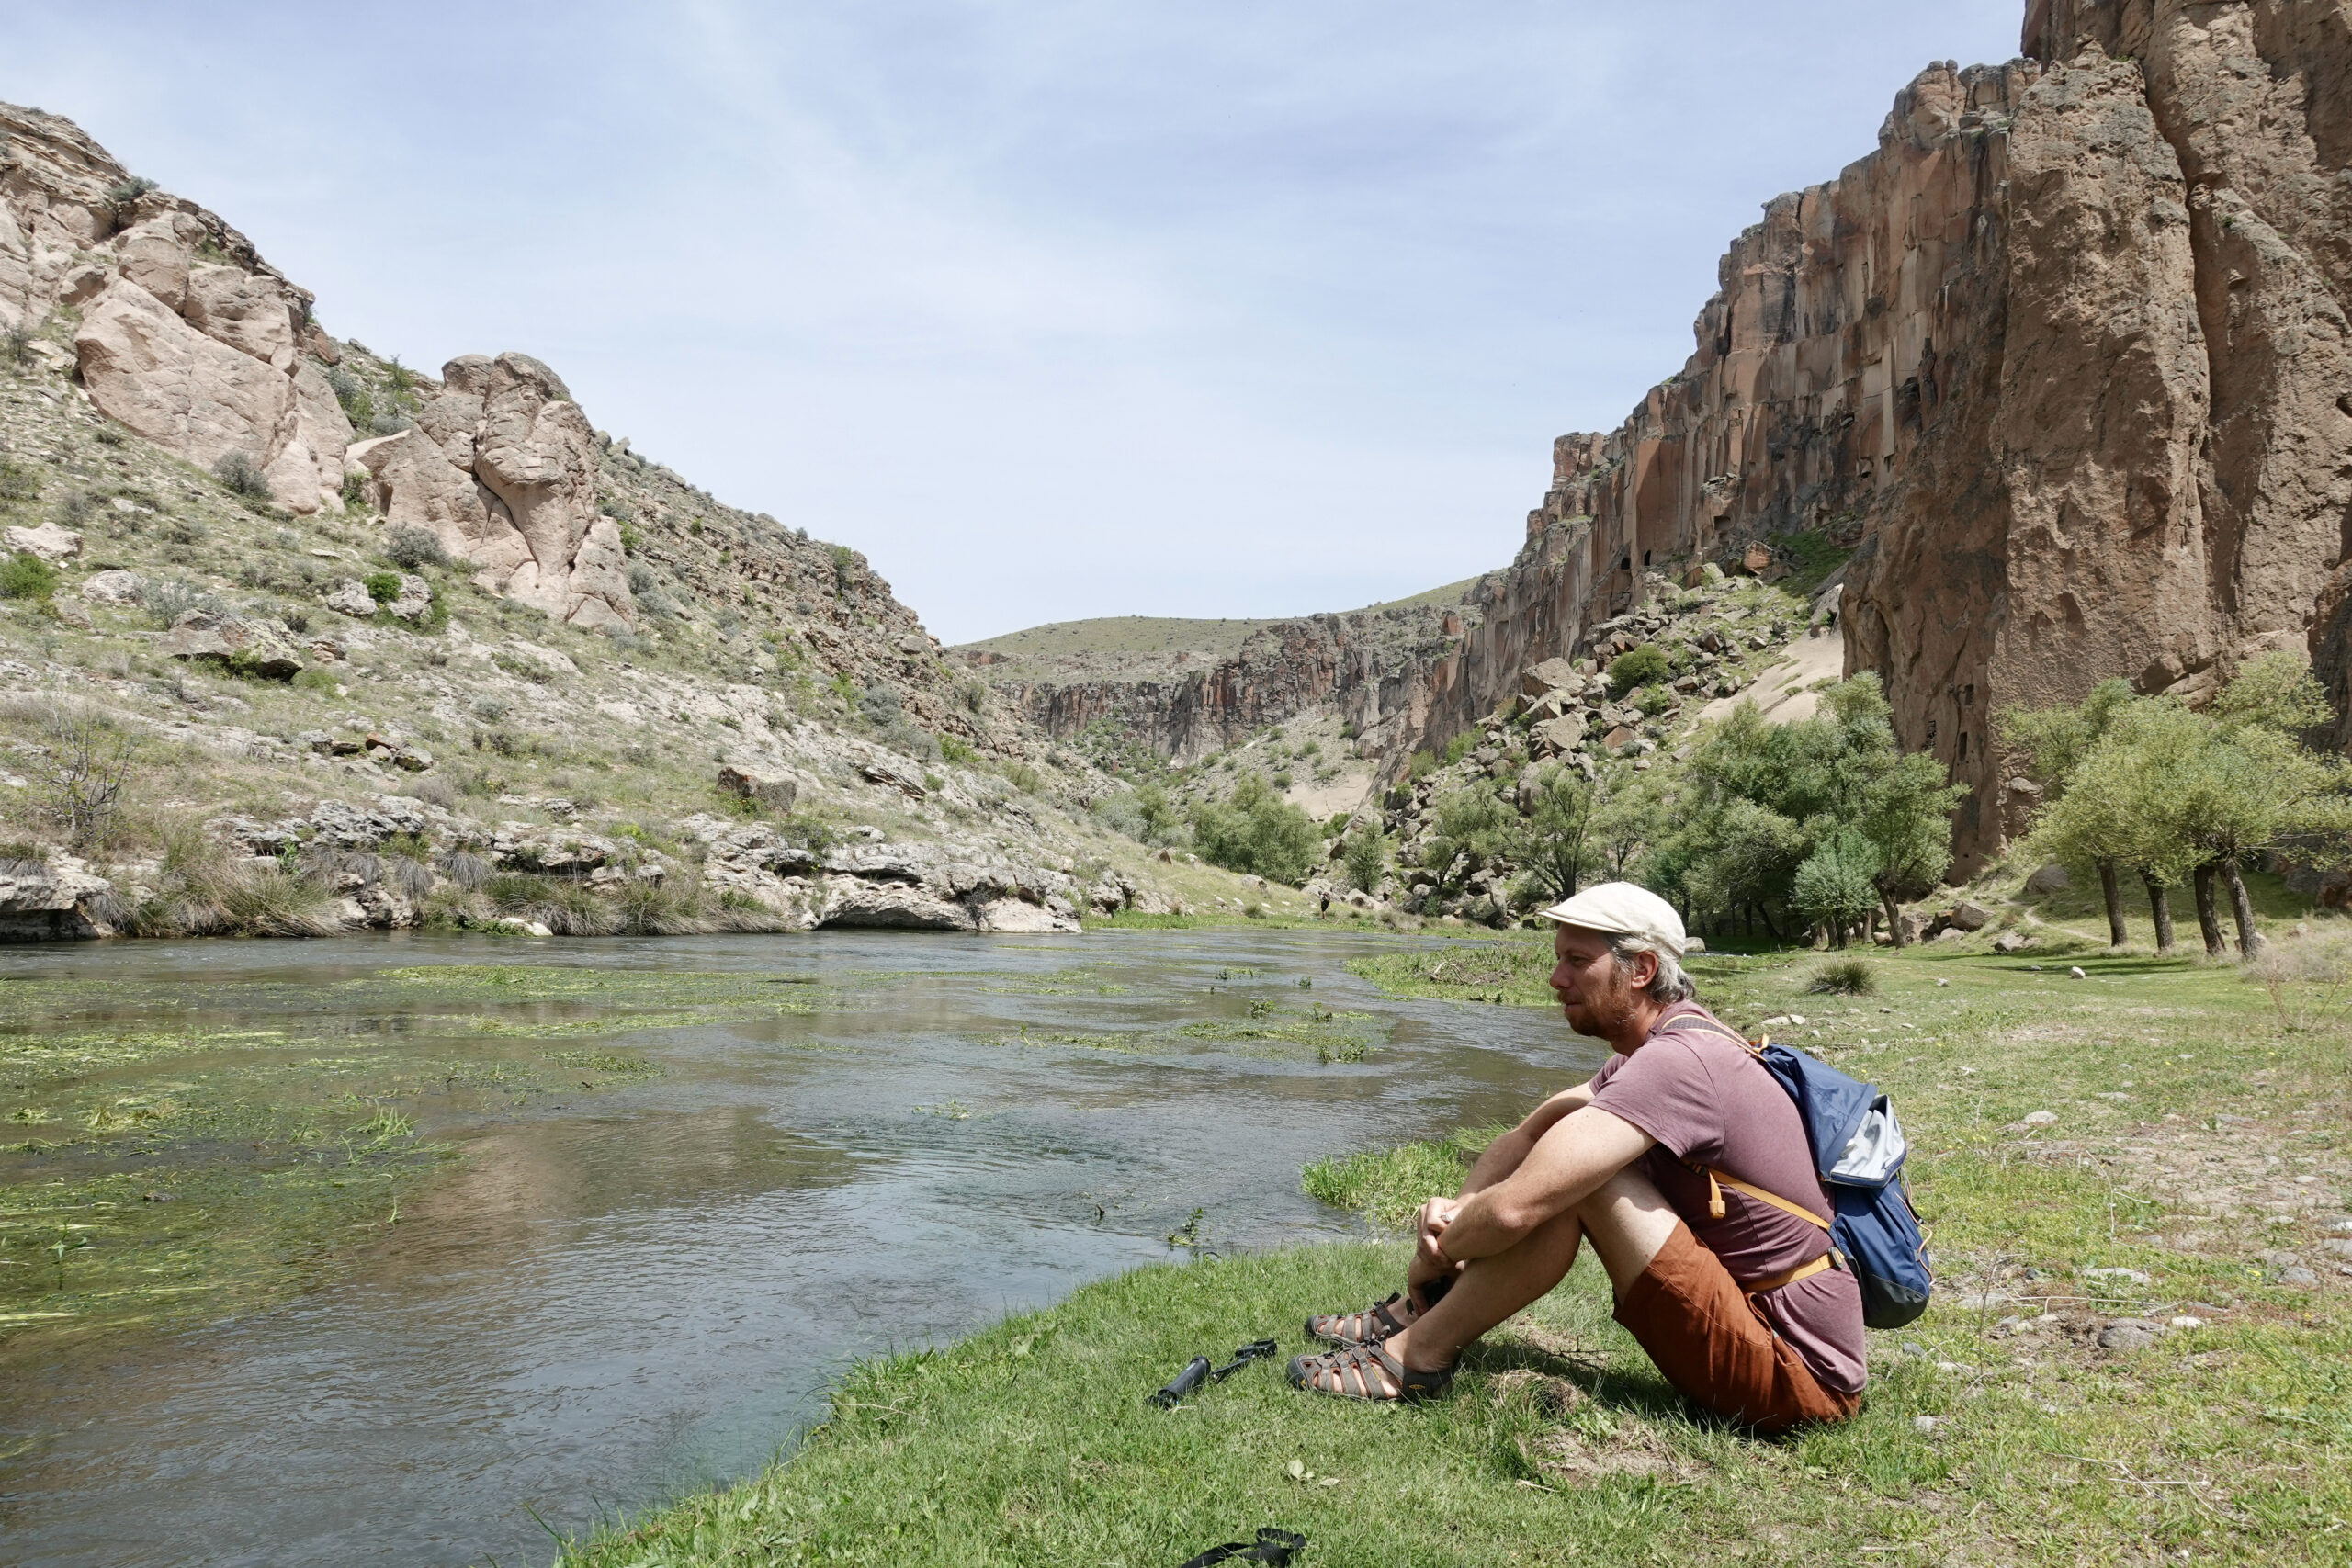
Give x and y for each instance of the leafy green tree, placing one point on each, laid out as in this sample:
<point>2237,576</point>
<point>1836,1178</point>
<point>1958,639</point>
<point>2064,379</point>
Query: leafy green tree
<point>1634,817</point>
<point>1469,827</point>
<point>1557,845</point>
<point>1363,855</point>
<point>2057,742</point>
<point>1837,887</point>
<point>1257,831</point>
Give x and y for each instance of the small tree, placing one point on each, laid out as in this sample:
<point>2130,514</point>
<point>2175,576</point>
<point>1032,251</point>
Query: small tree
<point>1557,841</point>
<point>1469,827</point>
<point>1363,856</point>
<point>1838,884</point>
<point>241,475</point>
<point>79,778</point>
<point>1257,831</point>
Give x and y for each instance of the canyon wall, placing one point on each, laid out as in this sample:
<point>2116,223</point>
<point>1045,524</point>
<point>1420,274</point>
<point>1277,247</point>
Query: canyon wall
<point>2066,359</point>
<point>1373,667</point>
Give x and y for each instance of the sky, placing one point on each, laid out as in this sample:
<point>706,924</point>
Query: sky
<point>1055,308</point>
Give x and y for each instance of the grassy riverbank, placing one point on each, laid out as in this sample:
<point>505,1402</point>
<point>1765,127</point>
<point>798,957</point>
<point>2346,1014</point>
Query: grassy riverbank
<point>2194,1158</point>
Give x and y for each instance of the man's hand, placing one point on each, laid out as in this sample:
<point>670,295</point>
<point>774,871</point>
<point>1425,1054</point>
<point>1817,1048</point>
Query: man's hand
<point>1428,1263</point>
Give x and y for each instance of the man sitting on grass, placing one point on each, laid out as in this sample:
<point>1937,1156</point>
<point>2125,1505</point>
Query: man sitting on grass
<point>1683,1162</point>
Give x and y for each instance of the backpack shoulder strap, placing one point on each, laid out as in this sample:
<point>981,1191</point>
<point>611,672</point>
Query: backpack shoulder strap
<point>1691,1021</point>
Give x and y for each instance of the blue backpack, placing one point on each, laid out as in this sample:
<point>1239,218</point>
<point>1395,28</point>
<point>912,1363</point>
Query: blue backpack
<point>1858,1152</point>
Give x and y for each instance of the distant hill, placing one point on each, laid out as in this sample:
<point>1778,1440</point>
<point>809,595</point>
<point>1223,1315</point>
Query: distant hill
<point>1126,639</point>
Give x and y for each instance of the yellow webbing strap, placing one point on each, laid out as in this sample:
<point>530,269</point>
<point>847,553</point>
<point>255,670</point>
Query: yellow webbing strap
<point>1801,1271</point>
<point>1715,1198</point>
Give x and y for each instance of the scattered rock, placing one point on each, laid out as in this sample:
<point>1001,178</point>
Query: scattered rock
<point>774,791</point>
<point>50,541</point>
<point>114,586</point>
<point>247,647</point>
<point>2040,1118</point>
<point>1969,917</point>
<point>883,771</point>
<point>2010,942</point>
<point>353,599</point>
<point>2133,1276</point>
<point>2184,1321</point>
<point>2074,972</point>
<point>2130,1334</point>
<point>2049,879</point>
<point>1925,1425</point>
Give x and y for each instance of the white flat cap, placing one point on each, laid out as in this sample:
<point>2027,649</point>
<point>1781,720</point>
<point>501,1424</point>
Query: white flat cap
<point>1619,909</point>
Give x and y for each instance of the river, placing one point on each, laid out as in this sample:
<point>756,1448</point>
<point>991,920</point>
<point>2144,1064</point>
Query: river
<point>781,1153</point>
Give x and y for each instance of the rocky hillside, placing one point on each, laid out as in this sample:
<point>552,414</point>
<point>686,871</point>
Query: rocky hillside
<point>302,639</point>
<point>2063,360</point>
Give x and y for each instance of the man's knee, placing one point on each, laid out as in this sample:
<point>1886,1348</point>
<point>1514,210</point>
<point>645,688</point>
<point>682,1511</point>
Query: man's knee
<point>1629,1220</point>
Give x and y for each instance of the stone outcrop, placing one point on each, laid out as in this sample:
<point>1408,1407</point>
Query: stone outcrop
<point>502,469</point>
<point>186,336</point>
<point>236,642</point>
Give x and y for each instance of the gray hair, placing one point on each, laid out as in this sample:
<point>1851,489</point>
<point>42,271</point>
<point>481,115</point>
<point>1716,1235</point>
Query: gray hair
<point>1670,985</point>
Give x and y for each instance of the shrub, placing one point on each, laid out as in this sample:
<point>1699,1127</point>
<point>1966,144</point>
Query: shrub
<point>1421,765</point>
<point>17,344</point>
<point>352,393</point>
<point>168,600</point>
<point>1282,781</point>
<point>956,751</point>
<point>1844,977</point>
<point>26,576</point>
<point>242,476</point>
<point>1461,746</point>
<point>128,189</point>
<point>1257,831</point>
<point>79,777</point>
<point>382,586</point>
<point>1363,854</point>
<point>412,549</point>
<point>1654,700</point>
<point>1643,666</point>
<point>19,484</point>
<point>844,567</point>
<point>356,494</point>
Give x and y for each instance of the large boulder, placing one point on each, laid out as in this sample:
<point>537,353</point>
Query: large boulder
<point>50,541</point>
<point>2052,878</point>
<point>248,647</point>
<point>1550,675</point>
<point>502,468</point>
<point>46,901</point>
<point>775,791</point>
<point>1565,733</point>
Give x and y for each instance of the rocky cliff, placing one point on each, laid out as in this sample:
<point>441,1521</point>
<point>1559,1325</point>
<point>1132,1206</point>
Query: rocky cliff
<point>1366,666</point>
<point>2064,361</point>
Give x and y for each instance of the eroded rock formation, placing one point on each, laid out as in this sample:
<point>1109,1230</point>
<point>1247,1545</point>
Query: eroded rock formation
<point>500,466</point>
<point>186,336</point>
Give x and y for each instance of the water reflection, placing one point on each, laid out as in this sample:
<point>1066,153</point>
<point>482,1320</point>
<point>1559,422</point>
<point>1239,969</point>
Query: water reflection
<point>617,1295</point>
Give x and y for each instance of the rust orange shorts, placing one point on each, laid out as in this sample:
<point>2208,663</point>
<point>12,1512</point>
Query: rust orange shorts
<point>1714,1344</point>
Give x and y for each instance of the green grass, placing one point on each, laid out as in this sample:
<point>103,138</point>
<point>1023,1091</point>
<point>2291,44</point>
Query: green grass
<point>1029,1442</point>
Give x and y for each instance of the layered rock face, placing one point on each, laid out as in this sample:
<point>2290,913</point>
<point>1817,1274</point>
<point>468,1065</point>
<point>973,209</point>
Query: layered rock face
<point>186,336</point>
<point>2066,358</point>
<point>1369,666</point>
<point>501,467</point>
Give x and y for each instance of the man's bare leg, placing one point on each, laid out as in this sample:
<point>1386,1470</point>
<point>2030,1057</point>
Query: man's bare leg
<point>1628,1221</point>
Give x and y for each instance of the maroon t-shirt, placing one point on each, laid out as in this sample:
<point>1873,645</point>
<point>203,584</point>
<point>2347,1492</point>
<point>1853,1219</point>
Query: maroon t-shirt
<point>1707,1100</point>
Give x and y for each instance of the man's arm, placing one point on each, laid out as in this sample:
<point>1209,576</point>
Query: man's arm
<point>1507,1153</point>
<point>1567,1164</point>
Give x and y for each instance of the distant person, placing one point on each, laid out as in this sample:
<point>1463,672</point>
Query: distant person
<point>1686,1165</point>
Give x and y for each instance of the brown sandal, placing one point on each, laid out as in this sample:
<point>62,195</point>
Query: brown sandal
<point>1370,1327</point>
<point>1366,1372</point>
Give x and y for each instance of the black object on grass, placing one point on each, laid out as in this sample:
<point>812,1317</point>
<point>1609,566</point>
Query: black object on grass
<point>1275,1546</point>
<point>1198,1372</point>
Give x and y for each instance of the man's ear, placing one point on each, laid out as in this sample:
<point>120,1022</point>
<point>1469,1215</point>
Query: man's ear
<point>1645,970</point>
